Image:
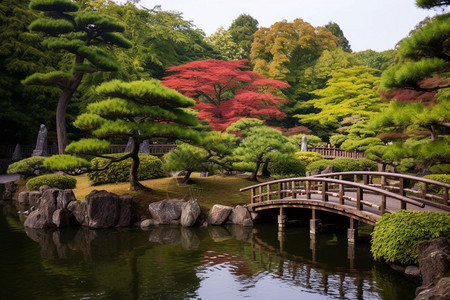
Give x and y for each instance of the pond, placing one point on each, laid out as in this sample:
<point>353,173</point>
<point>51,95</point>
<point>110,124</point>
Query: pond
<point>218,262</point>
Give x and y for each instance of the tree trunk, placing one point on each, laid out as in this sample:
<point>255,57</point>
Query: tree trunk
<point>265,169</point>
<point>255,172</point>
<point>186,177</point>
<point>135,185</point>
<point>61,110</point>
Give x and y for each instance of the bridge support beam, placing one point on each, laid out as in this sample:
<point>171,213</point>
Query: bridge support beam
<point>314,224</point>
<point>281,219</point>
<point>352,232</point>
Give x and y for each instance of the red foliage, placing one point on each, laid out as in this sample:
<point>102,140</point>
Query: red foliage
<point>296,130</point>
<point>226,91</point>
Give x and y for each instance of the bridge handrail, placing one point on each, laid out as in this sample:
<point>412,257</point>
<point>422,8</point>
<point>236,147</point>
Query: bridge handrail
<point>340,182</point>
<point>444,186</point>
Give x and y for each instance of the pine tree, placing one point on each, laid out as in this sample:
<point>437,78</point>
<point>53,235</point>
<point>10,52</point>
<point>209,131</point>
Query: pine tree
<point>80,33</point>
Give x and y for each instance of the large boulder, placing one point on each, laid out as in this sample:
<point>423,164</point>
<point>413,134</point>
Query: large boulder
<point>126,215</point>
<point>167,211</point>
<point>64,198</point>
<point>64,218</point>
<point>23,198</point>
<point>79,210</point>
<point>440,291</point>
<point>240,216</point>
<point>218,214</point>
<point>103,209</point>
<point>34,198</point>
<point>42,216</point>
<point>190,213</point>
<point>434,264</point>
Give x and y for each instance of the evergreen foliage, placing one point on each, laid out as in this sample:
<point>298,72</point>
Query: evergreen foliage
<point>242,30</point>
<point>28,166</point>
<point>149,167</point>
<point>52,180</point>
<point>395,236</point>
<point>80,33</point>
<point>287,166</point>
<point>445,178</point>
<point>308,157</point>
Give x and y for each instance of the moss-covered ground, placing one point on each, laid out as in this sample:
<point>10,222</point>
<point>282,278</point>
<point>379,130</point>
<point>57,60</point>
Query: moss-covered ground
<point>208,190</point>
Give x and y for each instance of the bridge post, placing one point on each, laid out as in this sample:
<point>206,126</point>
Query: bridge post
<point>324,191</point>
<point>281,219</point>
<point>352,232</point>
<point>402,192</point>
<point>383,197</point>
<point>445,195</point>
<point>314,224</point>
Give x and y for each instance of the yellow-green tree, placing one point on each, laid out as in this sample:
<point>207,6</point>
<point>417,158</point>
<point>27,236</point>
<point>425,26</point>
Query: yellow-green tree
<point>352,91</point>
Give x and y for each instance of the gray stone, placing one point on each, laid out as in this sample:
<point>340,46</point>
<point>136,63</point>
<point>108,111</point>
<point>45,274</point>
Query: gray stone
<point>434,260</point>
<point>41,142</point>
<point>103,209</point>
<point>48,203</point>
<point>239,216</point>
<point>79,210</point>
<point>34,198</point>
<point>42,188</point>
<point>148,223</point>
<point>126,211</point>
<point>36,219</point>
<point>440,291</point>
<point>190,213</point>
<point>166,211</point>
<point>64,198</point>
<point>218,214</point>
<point>63,218</point>
<point>144,147</point>
<point>129,145</point>
<point>17,155</point>
<point>304,146</point>
<point>23,198</point>
<point>412,271</point>
<point>10,190</point>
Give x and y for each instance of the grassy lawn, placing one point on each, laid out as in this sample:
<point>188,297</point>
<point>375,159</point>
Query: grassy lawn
<point>208,190</point>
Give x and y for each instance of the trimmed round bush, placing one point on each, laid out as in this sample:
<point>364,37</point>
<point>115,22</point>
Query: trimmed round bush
<point>53,180</point>
<point>445,178</point>
<point>366,164</point>
<point>338,164</point>
<point>28,166</point>
<point>395,236</point>
<point>149,167</point>
<point>308,157</point>
<point>440,169</point>
<point>288,167</point>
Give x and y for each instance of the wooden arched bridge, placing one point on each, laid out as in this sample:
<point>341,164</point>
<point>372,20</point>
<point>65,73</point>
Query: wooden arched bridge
<point>360,199</point>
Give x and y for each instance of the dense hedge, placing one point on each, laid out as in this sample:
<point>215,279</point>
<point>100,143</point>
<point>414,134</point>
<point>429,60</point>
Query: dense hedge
<point>308,157</point>
<point>149,167</point>
<point>395,236</point>
<point>28,166</point>
<point>287,167</point>
<point>52,180</point>
<point>445,178</point>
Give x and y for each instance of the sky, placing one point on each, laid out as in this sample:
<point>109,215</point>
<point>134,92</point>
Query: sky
<point>367,24</point>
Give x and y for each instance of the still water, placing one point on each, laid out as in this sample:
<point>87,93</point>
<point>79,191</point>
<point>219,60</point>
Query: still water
<point>217,262</point>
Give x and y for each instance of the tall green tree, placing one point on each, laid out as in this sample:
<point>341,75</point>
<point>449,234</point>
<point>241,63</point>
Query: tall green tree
<point>140,110</point>
<point>242,30</point>
<point>20,56</point>
<point>352,91</point>
<point>376,60</point>
<point>81,33</point>
<point>342,41</point>
<point>223,42</point>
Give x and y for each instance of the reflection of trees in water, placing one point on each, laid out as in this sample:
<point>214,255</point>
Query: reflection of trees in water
<point>170,262</point>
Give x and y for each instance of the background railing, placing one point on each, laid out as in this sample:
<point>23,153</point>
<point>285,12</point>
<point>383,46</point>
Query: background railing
<point>333,152</point>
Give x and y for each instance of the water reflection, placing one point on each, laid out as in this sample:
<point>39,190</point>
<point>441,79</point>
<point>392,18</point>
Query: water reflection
<point>192,263</point>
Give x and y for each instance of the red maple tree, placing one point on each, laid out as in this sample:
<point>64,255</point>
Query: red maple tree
<point>226,91</point>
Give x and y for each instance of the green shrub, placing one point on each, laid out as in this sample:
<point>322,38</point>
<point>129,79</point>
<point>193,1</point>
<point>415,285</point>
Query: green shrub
<point>28,166</point>
<point>440,169</point>
<point>52,180</point>
<point>338,164</point>
<point>287,167</point>
<point>308,157</point>
<point>445,178</point>
<point>366,164</point>
<point>395,236</point>
<point>149,167</point>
